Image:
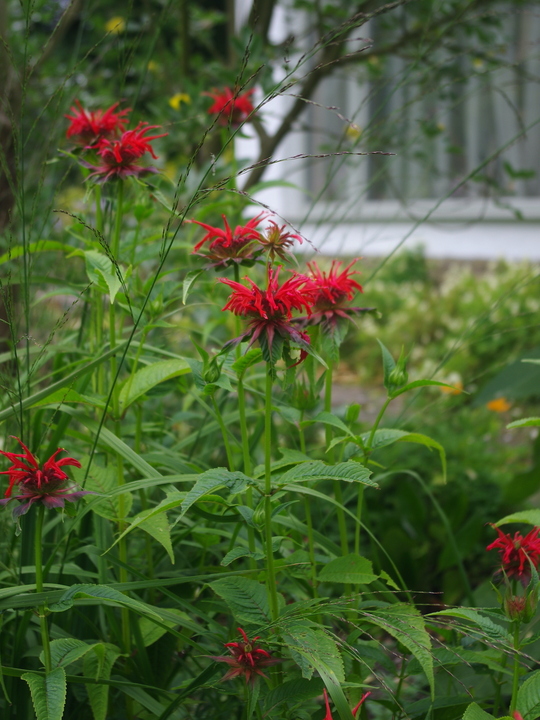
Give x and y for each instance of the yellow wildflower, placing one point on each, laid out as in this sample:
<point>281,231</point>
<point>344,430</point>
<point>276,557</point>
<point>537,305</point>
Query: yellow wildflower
<point>116,25</point>
<point>176,100</point>
<point>456,389</point>
<point>499,405</point>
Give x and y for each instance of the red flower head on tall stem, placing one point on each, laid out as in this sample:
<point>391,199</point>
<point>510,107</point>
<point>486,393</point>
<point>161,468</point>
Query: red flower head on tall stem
<point>47,485</point>
<point>517,553</point>
<point>331,290</point>
<point>228,246</point>
<point>233,108</point>
<point>355,709</point>
<point>119,157</point>
<point>247,659</point>
<point>270,312</point>
<point>89,126</point>
<point>277,242</point>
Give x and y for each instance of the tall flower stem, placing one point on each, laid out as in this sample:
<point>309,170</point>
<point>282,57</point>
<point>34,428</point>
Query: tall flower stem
<point>270,571</point>
<point>342,525</point>
<point>224,434</point>
<point>97,303</point>
<point>39,588</point>
<point>309,522</point>
<point>515,677</point>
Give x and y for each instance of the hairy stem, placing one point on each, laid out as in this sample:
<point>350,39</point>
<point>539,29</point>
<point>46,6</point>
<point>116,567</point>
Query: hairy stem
<point>39,588</point>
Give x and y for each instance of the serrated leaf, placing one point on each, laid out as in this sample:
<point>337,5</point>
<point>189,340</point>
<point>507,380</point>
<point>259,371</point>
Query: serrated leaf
<point>98,665</point>
<point>347,471</point>
<point>148,377</point>
<point>102,480</point>
<point>528,699</point>
<point>316,647</point>
<point>327,418</point>
<point>212,480</point>
<point>493,630</point>
<point>247,599</point>
<point>350,569</point>
<point>158,527</point>
<point>529,517</point>
<point>150,632</point>
<point>103,593</point>
<point>173,500</point>
<point>406,624</point>
<point>48,693</point>
<point>190,278</point>
<point>100,270</point>
<point>66,651</point>
<point>383,437</point>
<point>524,422</point>
<point>388,364</point>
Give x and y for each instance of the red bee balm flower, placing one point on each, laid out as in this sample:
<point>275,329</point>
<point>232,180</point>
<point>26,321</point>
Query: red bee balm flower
<point>517,553</point>
<point>270,310</point>
<point>228,246</point>
<point>119,156</point>
<point>247,659</point>
<point>48,485</point>
<point>88,126</point>
<point>330,291</point>
<point>355,709</point>
<point>233,108</point>
<point>277,241</point>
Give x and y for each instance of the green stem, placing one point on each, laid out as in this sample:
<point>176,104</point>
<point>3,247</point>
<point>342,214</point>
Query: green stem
<point>342,524</point>
<point>270,571</point>
<point>224,434</point>
<point>359,506</point>
<point>311,546</point>
<point>39,588</point>
<point>376,425</point>
<point>515,678</point>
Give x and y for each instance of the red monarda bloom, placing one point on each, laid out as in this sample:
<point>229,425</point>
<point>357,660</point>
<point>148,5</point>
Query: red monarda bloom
<point>233,108</point>
<point>247,659</point>
<point>119,157</point>
<point>355,709</point>
<point>48,485</point>
<point>270,311</point>
<point>277,241</point>
<point>88,126</point>
<point>230,246</point>
<point>517,553</point>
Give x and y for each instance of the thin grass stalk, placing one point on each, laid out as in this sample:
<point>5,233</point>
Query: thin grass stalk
<point>515,674</point>
<point>342,524</point>
<point>270,570</point>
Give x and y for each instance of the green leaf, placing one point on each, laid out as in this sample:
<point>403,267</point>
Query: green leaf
<point>69,396</point>
<point>150,632</point>
<point>66,651</point>
<point>388,364</point>
<point>475,712</point>
<point>347,471</point>
<point>102,480</point>
<point>190,278</point>
<point>406,624</point>
<point>102,593</point>
<point>247,599</point>
<point>158,527</point>
<point>101,270</point>
<point>492,630</point>
<point>419,384</point>
<point>148,377</point>
<point>329,419</point>
<point>383,437</point>
<point>529,517</point>
<point>350,569</point>
<point>98,665</point>
<point>294,692</point>
<point>48,693</point>
<point>244,362</point>
<point>428,442</point>
<point>524,422</point>
<point>39,246</point>
<point>528,699</point>
<point>212,480</point>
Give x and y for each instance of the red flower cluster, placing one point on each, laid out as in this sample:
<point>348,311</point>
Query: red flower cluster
<point>48,485</point>
<point>119,157</point>
<point>89,126</point>
<point>270,310</point>
<point>247,659</point>
<point>331,290</point>
<point>228,246</point>
<point>517,553</point>
<point>355,709</point>
<point>233,108</point>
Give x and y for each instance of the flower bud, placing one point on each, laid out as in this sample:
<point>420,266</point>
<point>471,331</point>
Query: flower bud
<point>520,607</point>
<point>399,375</point>
<point>212,372</point>
<point>259,514</point>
